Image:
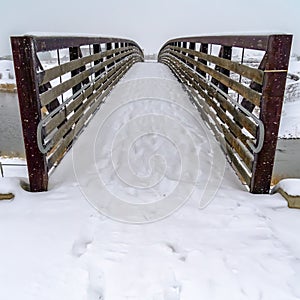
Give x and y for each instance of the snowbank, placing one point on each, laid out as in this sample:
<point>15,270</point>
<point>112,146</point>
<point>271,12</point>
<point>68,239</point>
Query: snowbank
<point>290,185</point>
<point>7,76</point>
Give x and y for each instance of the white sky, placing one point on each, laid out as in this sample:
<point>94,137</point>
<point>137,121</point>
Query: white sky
<point>150,23</point>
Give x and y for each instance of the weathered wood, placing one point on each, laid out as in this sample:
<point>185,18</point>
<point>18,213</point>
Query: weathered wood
<point>234,127</point>
<point>37,93</point>
<point>24,55</point>
<point>225,105</point>
<point>80,111</point>
<point>266,92</point>
<point>55,121</point>
<point>7,196</point>
<point>270,110</point>
<point>226,53</point>
<point>239,147</point>
<point>62,148</point>
<point>75,81</point>
<point>251,73</point>
<point>239,167</point>
<point>255,86</point>
<point>60,117</point>
<point>60,70</point>
<point>244,91</point>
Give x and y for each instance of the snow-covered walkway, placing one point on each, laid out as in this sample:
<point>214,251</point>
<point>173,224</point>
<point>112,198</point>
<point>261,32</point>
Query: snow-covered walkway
<point>145,207</point>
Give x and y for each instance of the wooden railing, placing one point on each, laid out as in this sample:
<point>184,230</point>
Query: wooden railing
<point>61,82</point>
<point>240,98</point>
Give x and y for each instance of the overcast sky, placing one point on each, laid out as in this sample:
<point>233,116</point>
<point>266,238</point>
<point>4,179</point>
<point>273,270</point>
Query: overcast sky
<point>150,23</point>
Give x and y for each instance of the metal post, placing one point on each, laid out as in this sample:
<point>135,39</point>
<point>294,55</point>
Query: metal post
<point>24,56</point>
<point>192,47</point>
<point>203,49</point>
<point>225,52</point>
<point>97,49</point>
<point>276,67</point>
<point>109,47</point>
<point>74,54</point>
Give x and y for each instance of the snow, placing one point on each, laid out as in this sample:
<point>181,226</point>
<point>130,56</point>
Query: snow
<point>289,124</point>
<point>290,185</point>
<point>57,244</point>
<point>13,166</point>
<point>7,72</point>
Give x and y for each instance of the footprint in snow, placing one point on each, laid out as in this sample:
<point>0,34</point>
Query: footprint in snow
<point>80,246</point>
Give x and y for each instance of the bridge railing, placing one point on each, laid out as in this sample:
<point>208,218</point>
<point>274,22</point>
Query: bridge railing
<point>61,82</point>
<point>237,83</point>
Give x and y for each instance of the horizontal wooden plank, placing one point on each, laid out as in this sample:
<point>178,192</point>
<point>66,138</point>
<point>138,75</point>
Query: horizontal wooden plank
<point>244,91</point>
<point>62,69</point>
<point>238,116</point>
<point>58,90</point>
<point>207,114</point>
<point>63,130</point>
<point>238,166</point>
<point>233,126</point>
<point>60,117</point>
<point>61,149</point>
<point>253,74</point>
<point>239,148</point>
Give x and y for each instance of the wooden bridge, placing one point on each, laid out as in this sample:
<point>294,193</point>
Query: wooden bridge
<point>240,100</point>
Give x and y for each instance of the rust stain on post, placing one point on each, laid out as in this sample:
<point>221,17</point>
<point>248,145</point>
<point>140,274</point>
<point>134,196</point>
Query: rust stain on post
<point>277,58</point>
<point>23,49</point>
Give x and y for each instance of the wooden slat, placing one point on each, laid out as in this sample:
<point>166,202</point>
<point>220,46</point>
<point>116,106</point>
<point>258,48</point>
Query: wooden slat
<point>202,106</point>
<point>225,104</point>
<point>60,117</point>
<point>236,130</point>
<point>56,91</point>
<point>240,167</point>
<point>251,73</point>
<point>244,91</point>
<point>62,69</point>
<point>63,130</point>
<point>59,152</point>
<point>241,150</point>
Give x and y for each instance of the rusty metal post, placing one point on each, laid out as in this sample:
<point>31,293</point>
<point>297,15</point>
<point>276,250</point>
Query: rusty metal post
<point>225,52</point>
<point>24,56</point>
<point>192,47</point>
<point>276,66</point>
<point>203,49</point>
<point>109,47</point>
<point>74,54</point>
<point>97,49</point>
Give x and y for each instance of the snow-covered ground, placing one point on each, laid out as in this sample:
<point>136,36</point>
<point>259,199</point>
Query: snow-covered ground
<point>7,73</point>
<point>290,125</point>
<point>146,146</point>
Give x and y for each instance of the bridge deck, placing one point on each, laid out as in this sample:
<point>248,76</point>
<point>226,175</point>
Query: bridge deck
<point>147,142</point>
<point>145,146</point>
<point>237,246</point>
